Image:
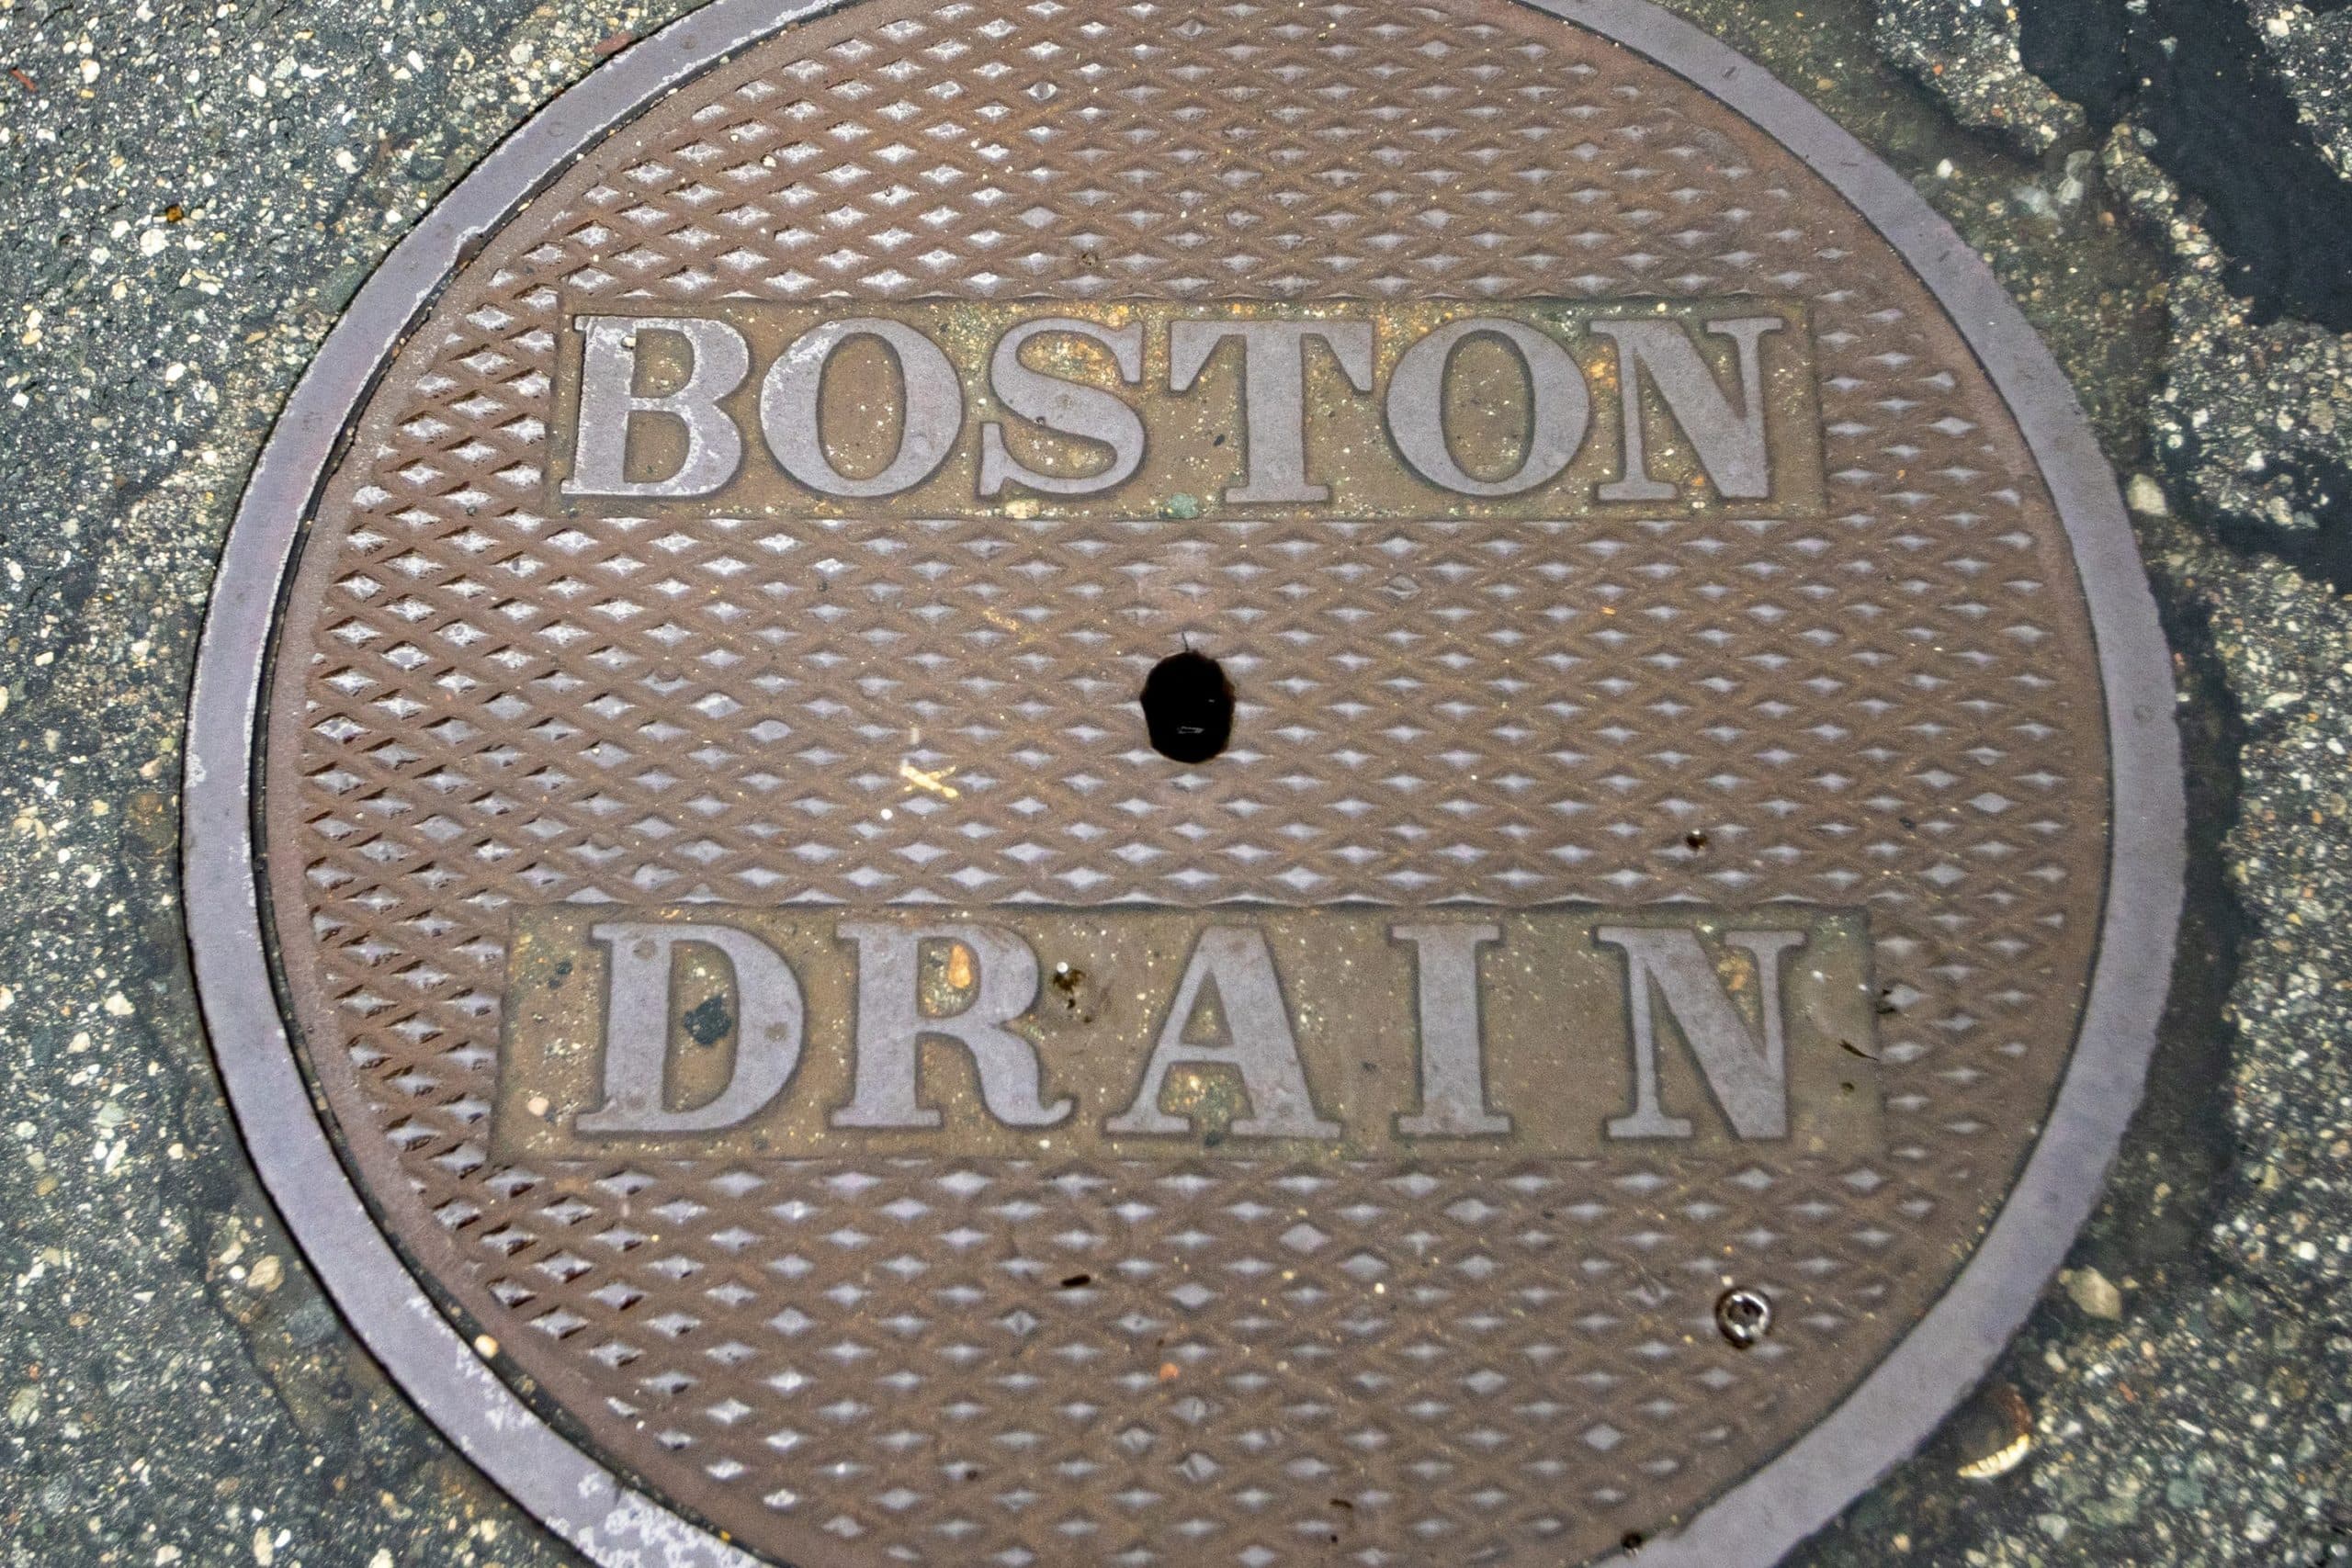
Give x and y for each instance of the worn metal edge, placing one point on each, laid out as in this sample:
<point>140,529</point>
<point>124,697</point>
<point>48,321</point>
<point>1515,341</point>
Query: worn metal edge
<point>1886,1416</point>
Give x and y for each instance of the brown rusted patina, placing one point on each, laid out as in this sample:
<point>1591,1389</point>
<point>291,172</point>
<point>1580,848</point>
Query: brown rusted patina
<point>1863,709</point>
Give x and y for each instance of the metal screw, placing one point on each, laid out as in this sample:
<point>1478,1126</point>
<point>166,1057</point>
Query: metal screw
<point>1744,1317</point>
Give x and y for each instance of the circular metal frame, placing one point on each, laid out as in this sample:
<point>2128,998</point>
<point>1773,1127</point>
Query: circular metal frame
<point>1793,1494</point>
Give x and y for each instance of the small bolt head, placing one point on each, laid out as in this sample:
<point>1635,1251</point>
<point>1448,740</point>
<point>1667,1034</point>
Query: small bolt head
<point>1744,1317</point>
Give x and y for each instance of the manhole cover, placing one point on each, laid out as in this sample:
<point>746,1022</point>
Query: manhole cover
<point>1092,782</point>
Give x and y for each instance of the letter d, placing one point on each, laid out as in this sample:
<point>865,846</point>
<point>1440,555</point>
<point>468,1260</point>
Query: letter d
<point>768,1016</point>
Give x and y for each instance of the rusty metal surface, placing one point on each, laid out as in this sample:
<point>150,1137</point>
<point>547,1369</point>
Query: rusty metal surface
<point>486,704</point>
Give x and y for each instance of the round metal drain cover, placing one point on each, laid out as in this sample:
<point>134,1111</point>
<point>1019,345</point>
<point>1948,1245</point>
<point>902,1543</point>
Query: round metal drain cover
<point>1101,783</point>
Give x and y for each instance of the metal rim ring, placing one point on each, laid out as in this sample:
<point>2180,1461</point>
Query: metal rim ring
<point>1793,1495</point>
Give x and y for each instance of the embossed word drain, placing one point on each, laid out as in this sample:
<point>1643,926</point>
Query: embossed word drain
<point>1546,988</point>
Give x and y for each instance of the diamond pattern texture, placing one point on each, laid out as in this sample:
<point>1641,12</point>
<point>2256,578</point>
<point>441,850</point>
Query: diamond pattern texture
<point>480,706</point>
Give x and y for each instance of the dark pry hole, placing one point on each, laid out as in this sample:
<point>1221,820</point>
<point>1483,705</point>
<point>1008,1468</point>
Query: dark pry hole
<point>1188,706</point>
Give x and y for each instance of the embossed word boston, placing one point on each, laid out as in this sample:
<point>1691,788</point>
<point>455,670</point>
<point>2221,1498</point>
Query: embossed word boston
<point>1368,409</point>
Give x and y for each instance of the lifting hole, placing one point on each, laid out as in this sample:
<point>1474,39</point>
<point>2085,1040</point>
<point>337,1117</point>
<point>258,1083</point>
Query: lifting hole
<point>1188,707</point>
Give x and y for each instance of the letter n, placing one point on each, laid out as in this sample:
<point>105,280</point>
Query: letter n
<point>1728,442</point>
<point>1668,970</point>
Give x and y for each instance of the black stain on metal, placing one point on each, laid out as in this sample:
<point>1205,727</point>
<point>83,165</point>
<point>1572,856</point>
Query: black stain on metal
<point>708,1020</point>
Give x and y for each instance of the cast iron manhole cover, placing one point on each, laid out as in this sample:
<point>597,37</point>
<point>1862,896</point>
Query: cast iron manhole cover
<point>1122,783</point>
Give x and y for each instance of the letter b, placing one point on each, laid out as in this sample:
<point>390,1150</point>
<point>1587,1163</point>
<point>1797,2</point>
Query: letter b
<point>717,360</point>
